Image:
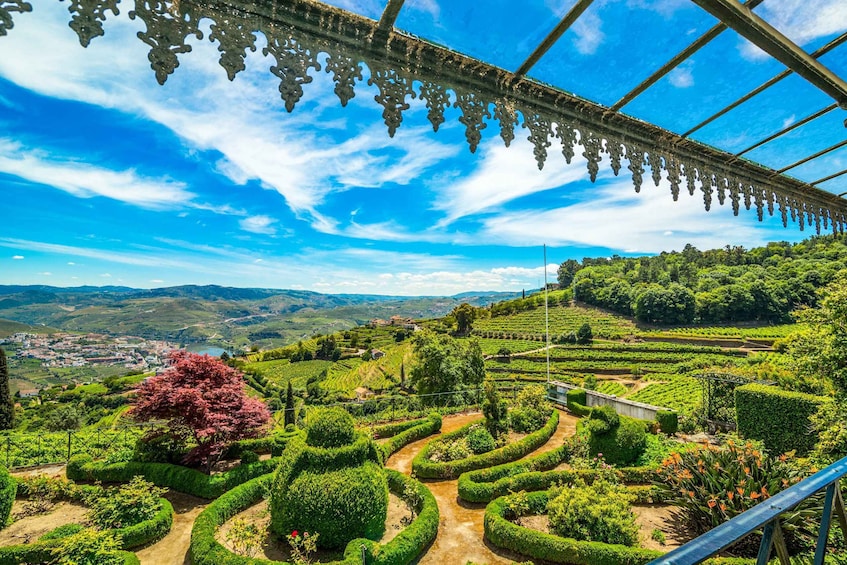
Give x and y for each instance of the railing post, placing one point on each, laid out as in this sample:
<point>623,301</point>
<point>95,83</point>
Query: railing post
<point>826,521</point>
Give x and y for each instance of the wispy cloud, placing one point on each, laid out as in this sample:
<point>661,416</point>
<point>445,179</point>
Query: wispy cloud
<point>682,76</point>
<point>800,22</point>
<point>259,224</point>
<point>17,257</point>
<point>589,33</point>
<point>86,181</point>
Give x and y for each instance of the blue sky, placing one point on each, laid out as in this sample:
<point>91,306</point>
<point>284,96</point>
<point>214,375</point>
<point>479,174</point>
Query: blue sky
<point>108,178</point>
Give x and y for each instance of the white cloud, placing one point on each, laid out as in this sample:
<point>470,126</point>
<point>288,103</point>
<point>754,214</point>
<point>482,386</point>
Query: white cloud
<point>17,257</point>
<point>46,274</point>
<point>789,121</point>
<point>503,175</point>
<point>682,77</point>
<point>589,35</point>
<point>85,181</point>
<point>801,21</point>
<point>617,218</point>
<point>106,275</point>
<point>258,224</point>
<point>71,263</point>
<point>157,281</point>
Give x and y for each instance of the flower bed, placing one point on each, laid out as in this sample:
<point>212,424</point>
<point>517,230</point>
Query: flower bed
<point>539,545</point>
<point>405,547</point>
<point>423,467</point>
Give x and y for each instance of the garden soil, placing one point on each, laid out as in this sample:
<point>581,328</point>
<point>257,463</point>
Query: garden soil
<point>29,529</point>
<point>460,532</point>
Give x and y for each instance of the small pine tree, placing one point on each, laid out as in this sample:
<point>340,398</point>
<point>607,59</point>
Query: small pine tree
<point>7,407</point>
<point>289,405</point>
<point>494,409</point>
<point>402,374</point>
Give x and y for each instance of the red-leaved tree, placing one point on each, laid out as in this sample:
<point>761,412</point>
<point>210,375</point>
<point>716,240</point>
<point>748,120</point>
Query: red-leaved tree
<point>203,398</point>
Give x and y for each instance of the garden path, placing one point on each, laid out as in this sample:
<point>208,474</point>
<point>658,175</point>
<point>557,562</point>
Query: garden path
<point>460,532</point>
<point>173,548</point>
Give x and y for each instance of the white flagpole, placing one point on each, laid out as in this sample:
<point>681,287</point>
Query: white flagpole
<point>546,316</point>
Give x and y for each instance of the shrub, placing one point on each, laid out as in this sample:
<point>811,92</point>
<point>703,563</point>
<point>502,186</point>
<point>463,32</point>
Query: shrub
<point>480,441</point>
<point>494,409</point>
<point>332,427</point>
<point>777,417</point>
<point>88,547</point>
<point>423,467</point>
<point>8,489</point>
<point>167,447</point>
<point>596,512</point>
<point>668,421</point>
<point>531,409</point>
<point>620,439</point>
<point>62,532</point>
<point>248,457</point>
<point>127,505</point>
<point>713,485</point>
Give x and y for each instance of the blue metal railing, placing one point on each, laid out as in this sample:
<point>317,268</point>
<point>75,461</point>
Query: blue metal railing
<point>766,517</point>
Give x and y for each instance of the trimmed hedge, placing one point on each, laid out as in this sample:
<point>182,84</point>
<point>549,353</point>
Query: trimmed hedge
<point>424,468</point>
<point>175,477</point>
<point>341,505</point>
<point>620,439</point>
<point>531,474</point>
<point>576,396</point>
<point>8,489</point>
<point>331,427</point>
<point>540,545</point>
<point>392,429</point>
<point>668,421</point>
<point>428,426</point>
<point>273,444</point>
<point>147,531</point>
<point>41,552</point>
<point>403,549</point>
<point>548,547</point>
<point>779,418</point>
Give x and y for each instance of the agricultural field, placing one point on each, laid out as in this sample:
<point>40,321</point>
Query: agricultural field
<point>281,371</point>
<point>756,332</point>
<point>680,393</point>
<point>493,346</point>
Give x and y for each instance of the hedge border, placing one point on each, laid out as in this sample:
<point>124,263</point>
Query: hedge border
<point>7,495</point>
<point>424,468</point>
<point>539,545</point>
<point>273,444</point>
<point>391,429</point>
<point>779,418</point>
<point>533,474</point>
<point>405,547</point>
<point>175,477</point>
<point>40,552</point>
<point>429,426</point>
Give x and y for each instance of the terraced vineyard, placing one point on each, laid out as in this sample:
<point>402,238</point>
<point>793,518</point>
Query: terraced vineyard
<point>282,370</point>
<point>563,319</point>
<point>681,394</point>
<point>493,346</point>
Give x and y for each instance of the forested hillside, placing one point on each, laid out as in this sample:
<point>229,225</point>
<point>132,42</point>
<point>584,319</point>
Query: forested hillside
<point>732,284</point>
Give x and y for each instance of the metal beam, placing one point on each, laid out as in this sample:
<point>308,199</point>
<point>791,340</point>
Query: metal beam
<point>702,41</point>
<point>812,157</point>
<point>819,181</point>
<point>790,128</point>
<point>775,44</point>
<point>819,53</point>
<point>389,15</point>
<point>574,14</point>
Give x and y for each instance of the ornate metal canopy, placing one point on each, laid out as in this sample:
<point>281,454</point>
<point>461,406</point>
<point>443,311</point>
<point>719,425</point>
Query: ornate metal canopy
<point>403,67</point>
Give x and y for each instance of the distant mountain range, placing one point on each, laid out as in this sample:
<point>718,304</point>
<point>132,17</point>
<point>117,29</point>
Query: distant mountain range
<point>229,316</point>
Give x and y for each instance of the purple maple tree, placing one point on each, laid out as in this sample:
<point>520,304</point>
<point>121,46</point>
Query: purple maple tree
<point>203,398</point>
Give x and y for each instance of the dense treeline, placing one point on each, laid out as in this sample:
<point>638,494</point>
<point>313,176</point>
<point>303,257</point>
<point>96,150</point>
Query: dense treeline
<point>720,285</point>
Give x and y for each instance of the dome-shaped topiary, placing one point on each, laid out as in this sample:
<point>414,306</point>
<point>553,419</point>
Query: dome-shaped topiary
<point>339,505</point>
<point>332,427</point>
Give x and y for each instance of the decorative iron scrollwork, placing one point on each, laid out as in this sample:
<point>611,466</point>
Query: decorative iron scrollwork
<point>166,34</point>
<point>473,110</point>
<point>88,17</point>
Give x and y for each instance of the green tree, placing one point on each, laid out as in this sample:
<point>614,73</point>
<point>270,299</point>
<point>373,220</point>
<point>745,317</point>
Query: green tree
<point>494,409</point>
<point>446,364</point>
<point>566,272</point>
<point>289,405</point>
<point>65,417</point>
<point>584,334</point>
<point>464,314</point>
<point>7,407</point>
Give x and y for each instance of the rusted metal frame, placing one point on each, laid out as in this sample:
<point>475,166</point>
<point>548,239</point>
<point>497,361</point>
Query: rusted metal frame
<point>700,42</point>
<point>389,15</point>
<point>818,53</point>
<point>830,177</point>
<point>790,128</point>
<point>805,160</point>
<point>455,70</point>
<point>774,43</point>
<point>573,14</point>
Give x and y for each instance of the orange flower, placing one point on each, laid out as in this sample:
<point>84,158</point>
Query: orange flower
<point>746,470</point>
<point>782,458</point>
<point>754,495</point>
<point>691,494</point>
<point>740,490</point>
<point>730,495</point>
<point>712,503</point>
<point>723,507</point>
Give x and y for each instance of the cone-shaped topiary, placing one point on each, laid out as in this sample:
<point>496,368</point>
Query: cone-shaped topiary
<point>332,484</point>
